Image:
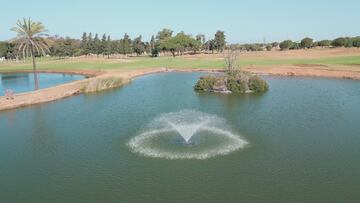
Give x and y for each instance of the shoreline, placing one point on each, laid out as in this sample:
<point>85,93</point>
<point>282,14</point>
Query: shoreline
<point>74,88</point>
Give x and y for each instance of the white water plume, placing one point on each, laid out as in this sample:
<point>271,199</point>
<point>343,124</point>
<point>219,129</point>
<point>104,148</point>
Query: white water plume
<point>203,136</point>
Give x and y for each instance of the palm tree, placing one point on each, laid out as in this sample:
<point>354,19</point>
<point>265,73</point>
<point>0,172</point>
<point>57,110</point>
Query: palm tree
<point>30,40</point>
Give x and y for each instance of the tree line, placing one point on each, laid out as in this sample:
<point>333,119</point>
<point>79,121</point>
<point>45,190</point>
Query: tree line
<point>165,42</point>
<point>305,43</point>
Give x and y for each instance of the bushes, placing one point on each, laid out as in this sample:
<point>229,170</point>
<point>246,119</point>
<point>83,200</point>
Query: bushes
<point>256,84</point>
<point>100,84</point>
<point>205,83</point>
<point>238,82</point>
<point>236,85</point>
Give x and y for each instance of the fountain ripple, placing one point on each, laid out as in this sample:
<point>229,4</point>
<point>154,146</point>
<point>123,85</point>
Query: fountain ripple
<point>187,134</point>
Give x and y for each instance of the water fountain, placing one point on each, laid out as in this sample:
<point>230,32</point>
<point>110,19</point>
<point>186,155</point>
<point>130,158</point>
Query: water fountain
<point>186,134</point>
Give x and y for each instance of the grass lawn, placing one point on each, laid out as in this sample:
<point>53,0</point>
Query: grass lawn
<point>338,62</point>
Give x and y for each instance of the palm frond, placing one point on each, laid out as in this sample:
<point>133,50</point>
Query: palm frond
<point>31,35</point>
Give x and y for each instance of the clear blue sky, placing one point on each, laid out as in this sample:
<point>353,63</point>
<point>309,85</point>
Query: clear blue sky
<point>242,20</point>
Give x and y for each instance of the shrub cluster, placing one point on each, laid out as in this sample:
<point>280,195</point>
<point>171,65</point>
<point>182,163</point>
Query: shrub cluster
<point>205,83</point>
<point>238,82</point>
<point>256,84</point>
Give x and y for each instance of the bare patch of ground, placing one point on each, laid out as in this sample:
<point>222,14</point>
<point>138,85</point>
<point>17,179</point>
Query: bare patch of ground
<point>290,54</point>
<point>307,71</point>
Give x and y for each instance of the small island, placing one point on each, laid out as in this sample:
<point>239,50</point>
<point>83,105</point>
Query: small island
<point>233,81</point>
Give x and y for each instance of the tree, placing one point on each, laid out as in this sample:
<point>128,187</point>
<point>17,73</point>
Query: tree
<point>171,45</point>
<point>200,38</point>
<point>295,45</point>
<point>210,45</point>
<point>154,47</point>
<point>269,47</point>
<point>96,48</point>
<point>164,34</point>
<point>65,47</point>
<point>125,45</point>
<point>349,42</point>
<point>89,44</point>
<point>195,45</point>
<point>356,41</point>
<point>3,49</point>
<point>220,40</point>
<point>339,42</point>
<point>30,39</point>
<point>275,44</point>
<point>103,45</point>
<point>285,45</point>
<point>84,41</point>
<point>306,43</point>
<point>180,44</point>
<point>324,43</point>
<point>231,61</point>
<point>138,46</point>
<point>107,48</point>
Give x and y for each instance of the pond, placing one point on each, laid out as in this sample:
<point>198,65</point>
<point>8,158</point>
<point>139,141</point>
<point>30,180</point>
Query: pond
<point>24,82</point>
<point>298,142</point>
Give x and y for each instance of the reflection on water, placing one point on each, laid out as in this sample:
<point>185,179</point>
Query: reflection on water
<point>24,82</point>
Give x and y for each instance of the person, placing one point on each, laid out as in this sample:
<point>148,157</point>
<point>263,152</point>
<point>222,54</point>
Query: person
<point>9,94</point>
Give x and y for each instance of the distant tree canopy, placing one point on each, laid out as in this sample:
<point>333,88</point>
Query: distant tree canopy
<point>285,45</point>
<point>306,43</point>
<point>339,42</point>
<point>65,47</point>
<point>166,42</point>
<point>180,44</point>
<point>324,43</point>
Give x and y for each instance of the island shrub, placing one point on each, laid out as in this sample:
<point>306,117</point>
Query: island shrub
<point>235,82</point>
<point>257,84</point>
<point>236,85</point>
<point>205,83</point>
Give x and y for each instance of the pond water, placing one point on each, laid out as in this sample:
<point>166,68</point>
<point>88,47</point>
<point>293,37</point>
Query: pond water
<point>298,142</point>
<point>24,82</point>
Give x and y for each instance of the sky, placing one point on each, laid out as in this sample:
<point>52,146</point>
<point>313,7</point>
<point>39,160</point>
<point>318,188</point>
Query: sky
<point>244,21</point>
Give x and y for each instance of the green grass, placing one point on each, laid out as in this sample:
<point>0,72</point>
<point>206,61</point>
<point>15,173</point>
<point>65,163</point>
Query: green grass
<point>353,63</point>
